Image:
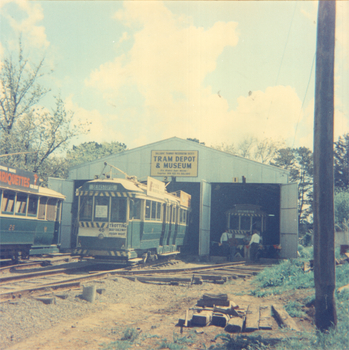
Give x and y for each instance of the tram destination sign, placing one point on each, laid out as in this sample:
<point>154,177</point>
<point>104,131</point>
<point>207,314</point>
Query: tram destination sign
<point>18,179</point>
<point>174,163</point>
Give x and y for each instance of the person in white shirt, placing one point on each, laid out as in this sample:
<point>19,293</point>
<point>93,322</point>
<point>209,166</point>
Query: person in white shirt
<point>254,245</point>
<point>226,242</point>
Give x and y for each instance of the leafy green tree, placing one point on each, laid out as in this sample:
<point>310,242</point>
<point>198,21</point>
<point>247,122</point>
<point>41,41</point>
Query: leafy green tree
<point>341,208</point>
<point>32,136</point>
<point>89,151</point>
<point>341,162</point>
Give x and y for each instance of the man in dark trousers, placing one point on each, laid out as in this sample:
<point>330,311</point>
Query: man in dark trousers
<point>227,242</point>
<point>254,245</point>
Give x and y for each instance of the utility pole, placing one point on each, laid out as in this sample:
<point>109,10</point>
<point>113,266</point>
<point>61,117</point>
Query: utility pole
<point>324,255</point>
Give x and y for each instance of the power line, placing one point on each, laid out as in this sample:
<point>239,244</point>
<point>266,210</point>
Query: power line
<point>288,35</point>
<point>305,94</point>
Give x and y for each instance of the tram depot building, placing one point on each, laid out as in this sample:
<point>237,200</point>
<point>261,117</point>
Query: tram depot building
<point>217,181</point>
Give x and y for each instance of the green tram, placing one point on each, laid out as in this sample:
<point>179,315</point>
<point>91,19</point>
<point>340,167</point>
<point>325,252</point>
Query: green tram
<point>29,215</point>
<point>130,221</point>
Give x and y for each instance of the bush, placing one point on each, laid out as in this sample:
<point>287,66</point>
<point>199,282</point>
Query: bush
<point>341,209</point>
<point>288,275</point>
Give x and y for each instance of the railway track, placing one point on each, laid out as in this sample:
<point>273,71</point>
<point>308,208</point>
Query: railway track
<point>33,262</point>
<point>36,280</point>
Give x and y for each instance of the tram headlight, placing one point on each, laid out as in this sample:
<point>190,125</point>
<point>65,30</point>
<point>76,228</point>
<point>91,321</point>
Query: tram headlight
<point>100,236</point>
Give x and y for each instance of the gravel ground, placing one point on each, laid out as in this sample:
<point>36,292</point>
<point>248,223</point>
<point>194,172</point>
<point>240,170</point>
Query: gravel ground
<point>24,321</point>
<point>25,317</point>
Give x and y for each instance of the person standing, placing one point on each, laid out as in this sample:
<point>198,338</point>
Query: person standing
<point>254,245</point>
<point>226,242</point>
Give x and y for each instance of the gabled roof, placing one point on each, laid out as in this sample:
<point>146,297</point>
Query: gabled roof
<point>192,146</point>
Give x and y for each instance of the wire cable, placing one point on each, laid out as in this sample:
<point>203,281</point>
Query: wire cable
<point>305,94</point>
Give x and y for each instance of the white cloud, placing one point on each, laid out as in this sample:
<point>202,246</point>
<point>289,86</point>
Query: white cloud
<point>168,63</point>
<point>342,32</point>
<point>99,128</point>
<point>310,13</point>
<point>124,37</point>
<point>270,114</point>
<point>28,26</point>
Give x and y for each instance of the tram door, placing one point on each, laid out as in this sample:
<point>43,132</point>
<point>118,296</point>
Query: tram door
<point>171,225</point>
<point>135,223</point>
<point>164,219</point>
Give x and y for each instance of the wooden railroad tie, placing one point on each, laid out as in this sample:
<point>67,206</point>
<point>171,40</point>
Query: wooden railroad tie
<point>218,310</point>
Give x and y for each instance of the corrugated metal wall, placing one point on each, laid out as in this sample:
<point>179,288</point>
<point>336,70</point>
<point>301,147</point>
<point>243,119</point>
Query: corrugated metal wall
<point>213,165</point>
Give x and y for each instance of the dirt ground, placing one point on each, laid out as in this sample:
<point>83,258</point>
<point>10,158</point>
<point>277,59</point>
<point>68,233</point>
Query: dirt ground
<point>153,310</point>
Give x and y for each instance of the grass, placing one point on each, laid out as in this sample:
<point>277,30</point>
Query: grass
<point>178,343</point>
<point>294,309</point>
<point>242,342</point>
<point>286,276</point>
<point>289,275</point>
<point>126,340</point>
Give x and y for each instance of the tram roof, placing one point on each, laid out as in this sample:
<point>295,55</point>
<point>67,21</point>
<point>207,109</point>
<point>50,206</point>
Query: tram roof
<point>127,184</point>
<point>50,193</point>
<point>41,191</point>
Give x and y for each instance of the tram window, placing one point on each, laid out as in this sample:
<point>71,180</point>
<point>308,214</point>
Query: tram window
<point>58,216</point>
<point>42,208</point>
<point>147,209</point>
<point>183,216</point>
<point>33,205</point>
<point>257,223</point>
<point>153,210</point>
<point>21,204</point>
<point>234,222</point>
<point>86,204</point>
<point>245,223</point>
<point>8,202</point>
<point>135,209</point>
<point>118,209</point>
<point>101,208</point>
<point>51,209</point>
<point>168,216</point>
<point>174,214</point>
<point>158,211</point>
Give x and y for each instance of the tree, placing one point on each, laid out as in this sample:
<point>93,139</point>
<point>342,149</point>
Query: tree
<point>252,148</point>
<point>341,162</point>
<point>265,150</point>
<point>89,151</point>
<point>299,162</point>
<point>341,209</point>
<point>31,131</point>
<point>196,140</point>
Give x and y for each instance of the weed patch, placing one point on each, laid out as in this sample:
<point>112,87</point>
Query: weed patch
<point>240,342</point>
<point>178,343</point>
<point>288,275</point>
<point>294,309</point>
<point>125,342</point>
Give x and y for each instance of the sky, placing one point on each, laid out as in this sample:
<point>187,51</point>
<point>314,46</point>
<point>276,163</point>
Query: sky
<point>217,71</point>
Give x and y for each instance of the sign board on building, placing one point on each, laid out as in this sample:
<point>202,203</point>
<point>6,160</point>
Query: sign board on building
<point>174,163</point>
<point>185,198</point>
<point>155,188</point>
<point>17,178</point>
